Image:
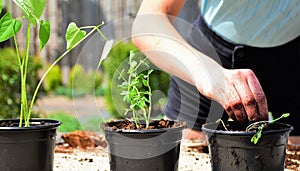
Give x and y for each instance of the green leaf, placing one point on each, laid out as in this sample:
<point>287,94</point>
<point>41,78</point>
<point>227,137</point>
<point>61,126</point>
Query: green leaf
<point>0,6</point>
<point>73,35</point>
<point>32,9</point>
<point>126,98</point>
<point>256,137</point>
<point>38,7</point>
<point>145,82</point>
<point>44,33</point>
<point>285,115</point>
<point>7,23</point>
<point>124,93</point>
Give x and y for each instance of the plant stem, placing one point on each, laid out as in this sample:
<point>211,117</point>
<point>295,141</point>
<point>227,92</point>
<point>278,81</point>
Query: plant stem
<point>25,66</point>
<point>21,66</point>
<point>52,65</point>
<point>150,101</point>
<point>223,124</point>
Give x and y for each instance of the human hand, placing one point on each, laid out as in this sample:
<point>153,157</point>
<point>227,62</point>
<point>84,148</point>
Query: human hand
<point>241,95</point>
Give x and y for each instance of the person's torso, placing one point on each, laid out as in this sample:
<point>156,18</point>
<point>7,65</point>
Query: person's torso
<point>260,23</point>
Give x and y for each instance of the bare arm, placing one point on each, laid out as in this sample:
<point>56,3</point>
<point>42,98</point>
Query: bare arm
<point>238,91</point>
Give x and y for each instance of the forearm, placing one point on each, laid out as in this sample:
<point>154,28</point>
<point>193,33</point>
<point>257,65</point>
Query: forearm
<point>157,38</point>
<point>237,90</point>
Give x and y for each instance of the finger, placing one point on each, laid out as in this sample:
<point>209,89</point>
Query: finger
<point>236,106</point>
<point>248,101</point>
<point>231,114</point>
<point>260,99</point>
<point>239,112</point>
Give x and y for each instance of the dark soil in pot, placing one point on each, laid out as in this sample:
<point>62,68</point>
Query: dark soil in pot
<point>147,149</point>
<point>154,124</point>
<point>233,150</point>
<point>27,148</point>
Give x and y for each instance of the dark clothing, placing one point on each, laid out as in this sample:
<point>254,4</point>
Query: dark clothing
<point>276,68</point>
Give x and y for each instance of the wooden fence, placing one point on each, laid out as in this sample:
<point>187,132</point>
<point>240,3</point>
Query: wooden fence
<point>117,14</point>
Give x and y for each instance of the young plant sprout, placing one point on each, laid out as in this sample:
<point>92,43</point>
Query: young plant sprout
<point>32,12</point>
<point>139,99</point>
<point>257,126</point>
<point>260,125</point>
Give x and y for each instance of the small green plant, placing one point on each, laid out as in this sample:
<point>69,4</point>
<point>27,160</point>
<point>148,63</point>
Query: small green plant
<point>32,12</point>
<point>257,126</point>
<point>115,57</point>
<point>260,125</point>
<point>139,99</point>
<point>119,53</point>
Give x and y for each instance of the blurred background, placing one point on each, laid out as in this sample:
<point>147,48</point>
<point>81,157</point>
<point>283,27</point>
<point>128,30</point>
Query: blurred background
<point>75,92</point>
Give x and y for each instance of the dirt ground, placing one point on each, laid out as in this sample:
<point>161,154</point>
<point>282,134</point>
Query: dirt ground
<point>95,158</point>
<point>88,151</point>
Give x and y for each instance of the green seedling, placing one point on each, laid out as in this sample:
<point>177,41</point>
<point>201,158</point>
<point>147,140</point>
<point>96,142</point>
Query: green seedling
<point>260,125</point>
<point>139,99</point>
<point>257,126</point>
<point>32,12</point>
<point>223,124</point>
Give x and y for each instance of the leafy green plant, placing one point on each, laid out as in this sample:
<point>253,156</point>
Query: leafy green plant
<point>32,12</point>
<point>257,126</point>
<point>260,125</point>
<point>140,100</point>
<point>119,53</point>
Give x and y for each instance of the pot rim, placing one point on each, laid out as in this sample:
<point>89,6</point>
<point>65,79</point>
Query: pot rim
<point>107,128</point>
<point>205,129</point>
<point>50,123</point>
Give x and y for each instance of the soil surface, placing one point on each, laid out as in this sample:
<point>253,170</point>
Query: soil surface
<point>81,151</point>
<point>130,125</point>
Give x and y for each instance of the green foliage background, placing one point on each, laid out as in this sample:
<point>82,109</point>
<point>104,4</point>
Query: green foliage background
<point>10,82</point>
<point>53,79</point>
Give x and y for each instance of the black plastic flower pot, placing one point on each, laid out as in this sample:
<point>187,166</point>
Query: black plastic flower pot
<point>146,150</point>
<point>28,148</point>
<point>234,151</point>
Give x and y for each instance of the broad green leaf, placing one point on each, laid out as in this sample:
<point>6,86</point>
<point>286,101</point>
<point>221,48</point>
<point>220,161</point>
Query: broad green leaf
<point>32,9</point>
<point>73,35</point>
<point>6,27</point>
<point>38,7</point>
<point>44,33</point>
